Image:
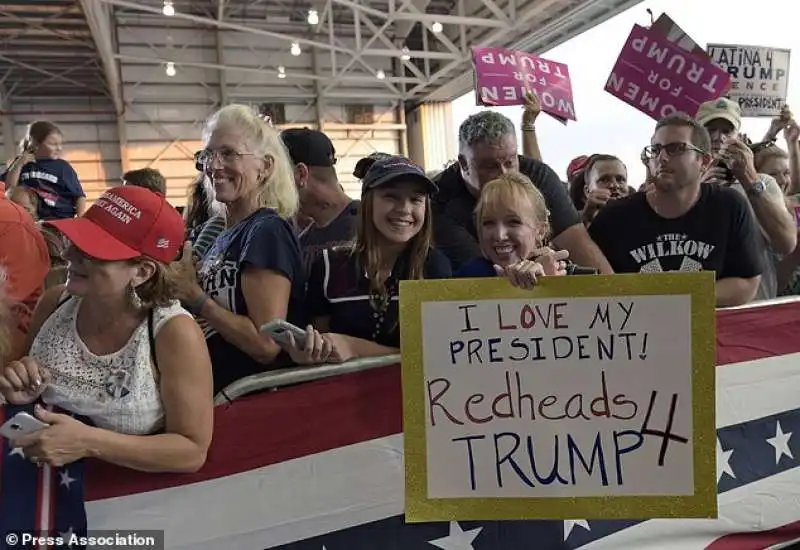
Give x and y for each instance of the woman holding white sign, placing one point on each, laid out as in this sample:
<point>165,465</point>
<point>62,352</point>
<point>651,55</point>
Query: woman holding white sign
<point>513,225</point>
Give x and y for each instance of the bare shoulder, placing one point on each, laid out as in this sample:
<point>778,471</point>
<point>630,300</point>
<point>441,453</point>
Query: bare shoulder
<point>180,330</point>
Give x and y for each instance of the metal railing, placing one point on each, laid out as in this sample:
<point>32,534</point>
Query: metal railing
<point>763,303</point>
<point>295,375</point>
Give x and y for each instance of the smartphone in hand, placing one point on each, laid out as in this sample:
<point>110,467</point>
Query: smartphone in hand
<point>279,330</point>
<point>22,424</point>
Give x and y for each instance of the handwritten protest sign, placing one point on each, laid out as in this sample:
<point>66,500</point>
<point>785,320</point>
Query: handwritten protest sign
<point>759,76</point>
<point>503,76</point>
<point>589,397</point>
<point>658,78</point>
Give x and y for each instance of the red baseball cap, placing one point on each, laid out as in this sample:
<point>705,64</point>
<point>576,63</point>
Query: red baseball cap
<point>125,223</point>
<point>576,165</point>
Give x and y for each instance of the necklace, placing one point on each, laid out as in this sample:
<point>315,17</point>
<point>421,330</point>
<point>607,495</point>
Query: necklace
<point>379,302</point>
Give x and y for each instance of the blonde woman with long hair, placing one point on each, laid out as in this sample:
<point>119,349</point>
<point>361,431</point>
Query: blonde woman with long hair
<point>353,290</point>
<point>253,272</point>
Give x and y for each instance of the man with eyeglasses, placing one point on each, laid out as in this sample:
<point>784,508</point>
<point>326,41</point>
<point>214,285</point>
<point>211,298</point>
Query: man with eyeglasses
<point>679,224</point>
<point>734,166</point>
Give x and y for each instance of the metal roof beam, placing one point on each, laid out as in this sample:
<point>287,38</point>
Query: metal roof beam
<point>54,76</point>
<point>420,17</point>
<point>289,75</point>
<point>227,25</point>
<point>99,21</point>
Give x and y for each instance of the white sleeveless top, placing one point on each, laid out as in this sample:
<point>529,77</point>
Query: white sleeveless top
<point>118,391</point>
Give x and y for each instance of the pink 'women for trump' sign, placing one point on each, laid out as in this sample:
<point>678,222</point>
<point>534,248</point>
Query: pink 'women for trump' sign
<point>658,77</point>
<point>503,77</point>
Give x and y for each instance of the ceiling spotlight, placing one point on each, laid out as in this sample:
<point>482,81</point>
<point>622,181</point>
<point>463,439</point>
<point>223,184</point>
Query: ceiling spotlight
<point>406,55</point>
<point>170,69</point>
<point>313,17</point>
<point>380,74</point>
<point>281,71</point>
<point>295,50</point>
<point>436,27</point>
<point>168,9</point>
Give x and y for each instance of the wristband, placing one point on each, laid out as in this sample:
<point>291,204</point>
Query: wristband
<point>528,127</point>
<point>195,306</point>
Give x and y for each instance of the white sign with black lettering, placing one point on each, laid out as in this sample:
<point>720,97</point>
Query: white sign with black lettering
<point>759,75</point>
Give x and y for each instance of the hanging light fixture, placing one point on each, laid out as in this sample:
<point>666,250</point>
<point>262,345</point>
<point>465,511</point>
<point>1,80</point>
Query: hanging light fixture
<point>168,9</point>
<point>170,69</point>
<point>313,17</point>
<point>295,49</point>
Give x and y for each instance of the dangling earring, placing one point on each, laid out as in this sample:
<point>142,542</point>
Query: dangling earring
<point>136,301</point>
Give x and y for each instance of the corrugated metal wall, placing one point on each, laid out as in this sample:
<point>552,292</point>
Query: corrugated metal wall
<point>430,136</point>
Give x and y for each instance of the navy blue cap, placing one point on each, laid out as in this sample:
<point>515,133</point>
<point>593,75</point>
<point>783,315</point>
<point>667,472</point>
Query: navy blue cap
<point>394,169</point>
<point>364,164</point>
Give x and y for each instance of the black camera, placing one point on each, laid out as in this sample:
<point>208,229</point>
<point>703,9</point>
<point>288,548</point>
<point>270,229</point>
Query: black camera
<point>728,178</point>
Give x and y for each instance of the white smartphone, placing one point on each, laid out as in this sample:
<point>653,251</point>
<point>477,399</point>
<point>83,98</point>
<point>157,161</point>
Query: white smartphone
<point>22,424</point>
<point>279,330</point>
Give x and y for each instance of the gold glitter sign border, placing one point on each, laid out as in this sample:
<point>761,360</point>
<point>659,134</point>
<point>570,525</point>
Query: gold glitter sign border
<point>702,504</point>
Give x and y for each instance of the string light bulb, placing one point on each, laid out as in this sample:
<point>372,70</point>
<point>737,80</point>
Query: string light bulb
<point>171,69</point>
<point>168,9</point>
<point>295,49</point>
<point>313,17</point>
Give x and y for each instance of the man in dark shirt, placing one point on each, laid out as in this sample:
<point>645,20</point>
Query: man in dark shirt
<point>680,224</point>
<point>332,214</point>
<point>487,149</point>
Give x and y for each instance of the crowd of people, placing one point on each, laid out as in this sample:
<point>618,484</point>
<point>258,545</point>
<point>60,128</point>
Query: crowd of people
<point>124,319</point>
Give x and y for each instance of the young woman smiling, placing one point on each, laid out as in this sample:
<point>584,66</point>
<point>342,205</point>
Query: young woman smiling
<point>512,221</point>
<point>352,292</point>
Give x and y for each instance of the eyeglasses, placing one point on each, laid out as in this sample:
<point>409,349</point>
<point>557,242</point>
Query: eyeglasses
<point>672,149</point>
<point>205,158</point>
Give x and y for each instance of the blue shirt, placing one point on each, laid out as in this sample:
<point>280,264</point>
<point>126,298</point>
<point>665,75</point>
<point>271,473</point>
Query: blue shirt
<point>476,267</point>
<point>262,241</point>
<point>55,183</point>
<point>338,288</point>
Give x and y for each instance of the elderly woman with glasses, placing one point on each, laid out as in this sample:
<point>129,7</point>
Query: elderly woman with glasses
<point>253,272</point>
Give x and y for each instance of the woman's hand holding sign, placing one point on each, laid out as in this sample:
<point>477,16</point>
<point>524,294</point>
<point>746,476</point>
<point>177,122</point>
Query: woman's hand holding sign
<point>546,262</point>
<point>554,262</point>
